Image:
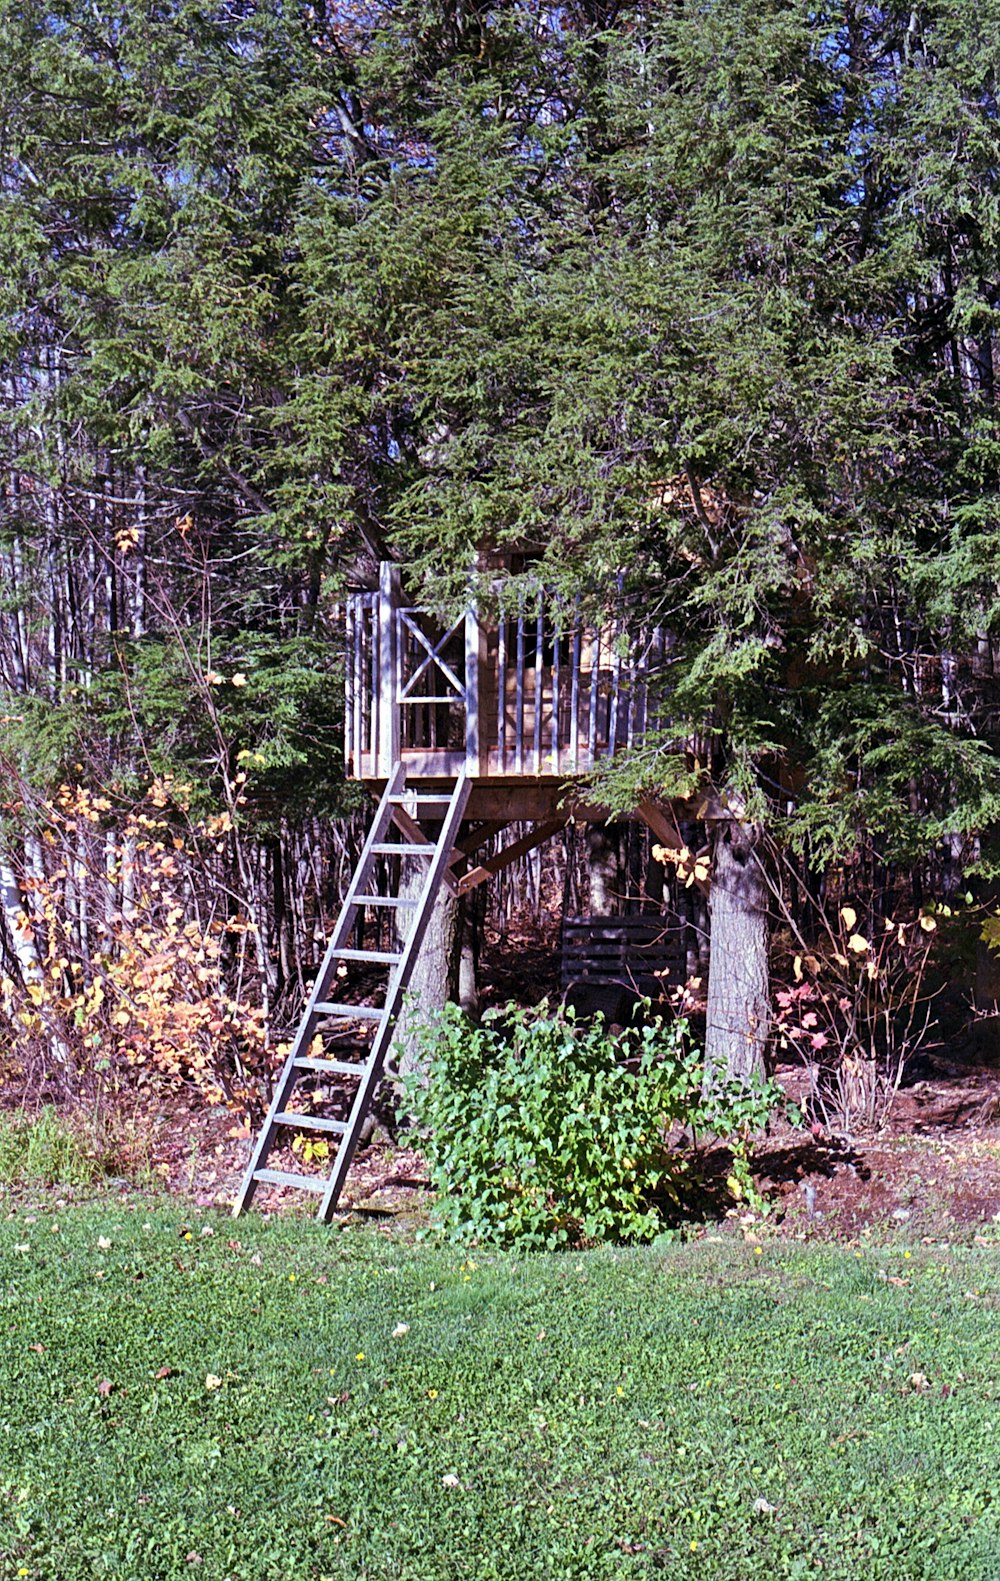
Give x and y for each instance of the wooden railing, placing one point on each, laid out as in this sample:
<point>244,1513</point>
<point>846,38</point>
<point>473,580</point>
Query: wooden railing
<point>539,692</point>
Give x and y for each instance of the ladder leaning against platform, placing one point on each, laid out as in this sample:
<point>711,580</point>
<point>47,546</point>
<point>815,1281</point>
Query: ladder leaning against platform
<point>400,811</point>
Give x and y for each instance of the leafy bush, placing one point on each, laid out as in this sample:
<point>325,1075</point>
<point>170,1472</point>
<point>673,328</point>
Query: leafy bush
<point>148,992</point>
<point>549,1131</point>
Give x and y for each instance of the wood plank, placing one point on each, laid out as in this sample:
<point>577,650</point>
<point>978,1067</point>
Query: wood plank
<point>539,649</point>
<point>519,697</point>
<point>473,660</point>
<point>595,673</point>
<point>502,693</point>
<point>574,694</point>
<point>556,644</point>
<point>496,864</point>
<point>663,823</point>
<point>281,1177</point>
<point>389,599</point>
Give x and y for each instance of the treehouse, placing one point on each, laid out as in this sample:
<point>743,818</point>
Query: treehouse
<point>460,729</point>
<point>519,704</point>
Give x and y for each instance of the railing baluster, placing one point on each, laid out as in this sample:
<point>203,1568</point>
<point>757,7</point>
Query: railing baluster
<point>574,693</point>
<point>616,675</point>
<point>595,671</point>
<point>502,694</point>
<point>556,640</point>
<point>519,696</point>
<point>539,641</point>
<point>375,715</point>
<point>349,688</point>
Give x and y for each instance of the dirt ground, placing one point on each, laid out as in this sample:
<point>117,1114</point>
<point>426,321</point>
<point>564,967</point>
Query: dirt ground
<point>932,1172</point>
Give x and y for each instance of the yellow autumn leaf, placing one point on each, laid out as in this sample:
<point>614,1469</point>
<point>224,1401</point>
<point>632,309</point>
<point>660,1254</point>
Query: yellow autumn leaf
<point>797,968</point>
<point>858,943</point>
<point>848,916</point>
<point>928,924</point>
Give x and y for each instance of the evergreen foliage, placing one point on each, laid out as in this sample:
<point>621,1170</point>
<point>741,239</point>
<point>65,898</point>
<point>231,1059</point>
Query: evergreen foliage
<point>693,311</point>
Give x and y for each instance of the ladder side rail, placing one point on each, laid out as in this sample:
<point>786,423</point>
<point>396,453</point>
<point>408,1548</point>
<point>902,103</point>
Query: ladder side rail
<point>397,987</point>
<point>307,1022</point>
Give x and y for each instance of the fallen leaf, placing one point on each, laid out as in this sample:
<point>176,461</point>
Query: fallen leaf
<point>104,1243</point>
<point>450,1480</point>
<point>104,1388</point>
<point>39,1348</point>
<point>848,916</point>
<point>919,1381</point>
<point>164,1372</point>
<point>335,1520</point>
<point>212,1382</point>
<point>400,1330</point>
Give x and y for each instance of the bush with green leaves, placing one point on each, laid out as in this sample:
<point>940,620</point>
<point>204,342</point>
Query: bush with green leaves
<point>549,1131</point>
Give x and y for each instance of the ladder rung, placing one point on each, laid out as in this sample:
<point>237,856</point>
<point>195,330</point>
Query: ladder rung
<point>310,1122</point>
<point>338,1067</point>
<point>281,1177</point>
<point>327,1009</point>
<point>402,848</point>
<point>384,900</point>
<point>380,957</point>
<point>423,799</point>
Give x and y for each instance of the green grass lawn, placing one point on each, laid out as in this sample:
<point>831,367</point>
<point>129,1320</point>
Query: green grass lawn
<point>229,1400</point>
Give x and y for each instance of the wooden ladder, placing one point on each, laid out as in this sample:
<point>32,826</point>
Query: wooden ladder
<point>400,810</point>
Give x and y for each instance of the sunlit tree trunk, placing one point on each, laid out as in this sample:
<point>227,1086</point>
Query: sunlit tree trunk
<point>738,1016</point>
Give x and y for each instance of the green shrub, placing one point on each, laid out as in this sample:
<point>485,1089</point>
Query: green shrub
<point>49,1148</point>
<point>548,1131</point>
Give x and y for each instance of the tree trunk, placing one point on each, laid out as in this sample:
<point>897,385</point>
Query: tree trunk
<point>602,864</point>
<point>738,1018</point>
<point>435,976</point>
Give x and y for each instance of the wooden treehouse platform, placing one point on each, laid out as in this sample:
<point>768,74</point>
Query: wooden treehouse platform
<point>461,730</point>
<point>521,705</point>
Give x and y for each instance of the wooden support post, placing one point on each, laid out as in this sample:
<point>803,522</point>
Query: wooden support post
<point>475,738</point>
<point>574,695</point>
<point>595,671</point>
<point>519,695</point>
<point>539,673</point>
<point>664,827</point>
<point>556,642</point>
<point>352,690</point>
<point>389,600</point>
<point>502,694</point>
<point>510,853</point>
